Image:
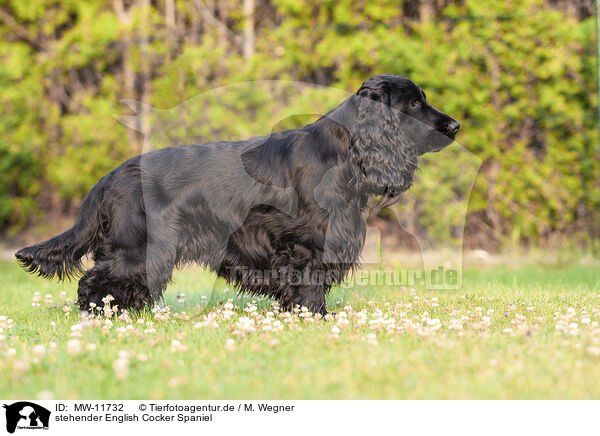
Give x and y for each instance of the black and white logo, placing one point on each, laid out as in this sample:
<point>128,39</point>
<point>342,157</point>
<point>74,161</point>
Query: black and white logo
<point>26,415</point>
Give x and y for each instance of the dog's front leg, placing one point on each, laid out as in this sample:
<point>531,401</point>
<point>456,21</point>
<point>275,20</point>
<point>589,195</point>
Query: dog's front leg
<point>311,296</point>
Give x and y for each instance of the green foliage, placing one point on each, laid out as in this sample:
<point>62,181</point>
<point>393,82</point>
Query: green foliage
<point>520,78</point>
<point>19,183</point>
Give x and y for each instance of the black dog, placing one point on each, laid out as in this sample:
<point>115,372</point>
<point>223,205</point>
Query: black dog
<point>277,215</point>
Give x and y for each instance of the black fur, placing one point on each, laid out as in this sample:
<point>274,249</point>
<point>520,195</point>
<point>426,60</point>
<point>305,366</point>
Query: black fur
<point>277,215</point>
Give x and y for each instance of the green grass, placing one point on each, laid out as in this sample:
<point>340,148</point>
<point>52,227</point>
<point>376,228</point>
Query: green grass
<point>408,356</point>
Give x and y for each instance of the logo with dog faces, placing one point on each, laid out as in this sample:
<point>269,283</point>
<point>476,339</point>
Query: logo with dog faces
<point>24,415</point>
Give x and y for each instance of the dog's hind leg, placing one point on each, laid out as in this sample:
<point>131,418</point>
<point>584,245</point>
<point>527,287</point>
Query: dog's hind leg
<point>90,290</point>
<point>128,291</point>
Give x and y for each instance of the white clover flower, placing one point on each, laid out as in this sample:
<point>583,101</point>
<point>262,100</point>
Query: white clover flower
<point>593,350</point>
<point>230,344</point>
<point>177,346</point>
<point>124,354</point>
<point>38,350</point>
<point>108,299</point>
<point>121,368</point>
<point>372,339</point>
<point>455,324</point>
<point>73,347</point>
<point>244,326</point>
<point>21,365</point>
<point>45,395</point>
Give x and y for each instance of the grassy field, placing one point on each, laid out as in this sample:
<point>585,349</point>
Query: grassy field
<point>530,332</point>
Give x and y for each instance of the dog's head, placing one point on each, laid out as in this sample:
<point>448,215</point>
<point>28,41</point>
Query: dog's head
<point>395,125</point>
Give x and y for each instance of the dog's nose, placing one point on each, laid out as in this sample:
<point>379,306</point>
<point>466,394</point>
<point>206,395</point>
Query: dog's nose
<point>453,127</point>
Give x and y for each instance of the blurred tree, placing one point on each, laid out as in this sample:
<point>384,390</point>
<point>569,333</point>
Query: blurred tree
<point>519,77</point>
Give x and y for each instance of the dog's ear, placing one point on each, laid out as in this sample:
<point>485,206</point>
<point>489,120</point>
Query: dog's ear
<point>386,101</point>
<point>381,94</point>
<point>380,151</point>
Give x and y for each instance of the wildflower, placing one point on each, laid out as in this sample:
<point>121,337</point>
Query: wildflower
<point>342,319</point>
<point>38,350</point>
<point>21,365</point>
<point>108,299</point>
<point>125,354</point>
<point>73,347</point>
<point>161,313</point>
<point>149,328</point>
<point>177,346</point>
<point>44,395</point>
<point>121,368</point>
<point>244,326</point>
<point>124,316</point>
<point>372,339</point>
<point>593,350</point>
<point>76,331</point>
<point>230,344</point>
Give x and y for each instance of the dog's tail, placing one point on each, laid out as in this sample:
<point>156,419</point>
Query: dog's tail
<point>61,255</point>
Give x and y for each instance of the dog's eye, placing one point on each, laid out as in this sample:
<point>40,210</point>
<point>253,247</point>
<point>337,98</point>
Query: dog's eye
<point>415,104</point>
